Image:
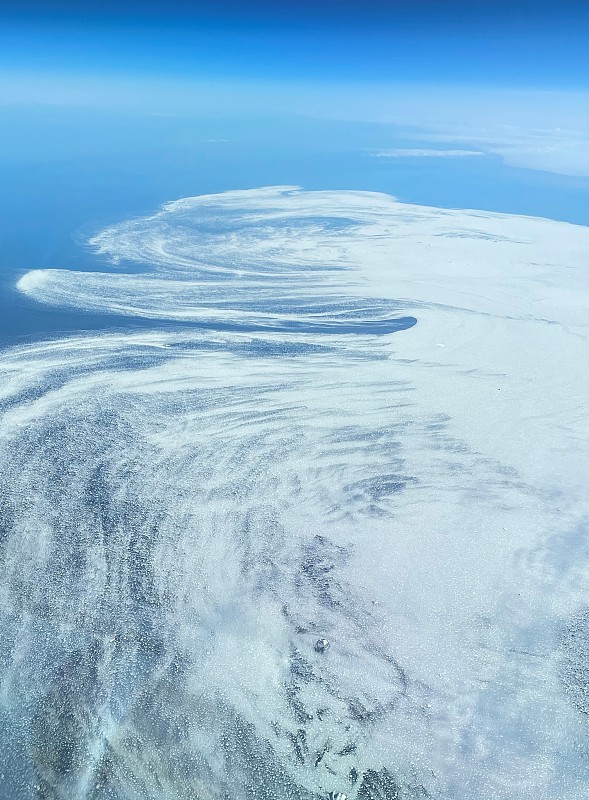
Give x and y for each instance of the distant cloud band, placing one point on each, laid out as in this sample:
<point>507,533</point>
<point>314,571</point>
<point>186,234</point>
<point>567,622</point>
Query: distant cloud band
<point>411,152</point>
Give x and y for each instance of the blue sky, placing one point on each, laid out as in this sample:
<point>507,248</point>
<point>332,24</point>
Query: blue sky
<point>510,78</point>
<point>515,44</point>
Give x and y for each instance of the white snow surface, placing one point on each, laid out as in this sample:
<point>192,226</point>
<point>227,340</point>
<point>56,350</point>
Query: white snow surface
<point>186,511</point>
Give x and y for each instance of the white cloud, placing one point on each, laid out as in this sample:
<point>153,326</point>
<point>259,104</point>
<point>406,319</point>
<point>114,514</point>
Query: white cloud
<point>543,130</point>
<point>559,150</point>
<point>409,152</point>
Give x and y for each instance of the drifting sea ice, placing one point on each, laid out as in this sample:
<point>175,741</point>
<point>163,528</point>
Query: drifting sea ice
<point>185,513</point>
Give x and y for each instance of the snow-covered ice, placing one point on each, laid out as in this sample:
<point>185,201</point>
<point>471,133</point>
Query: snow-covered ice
<point>185,512</point>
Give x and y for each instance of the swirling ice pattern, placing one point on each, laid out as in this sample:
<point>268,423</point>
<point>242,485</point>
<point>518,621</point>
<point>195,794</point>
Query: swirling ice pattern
<point>242,261</point>
<point>183,515</point>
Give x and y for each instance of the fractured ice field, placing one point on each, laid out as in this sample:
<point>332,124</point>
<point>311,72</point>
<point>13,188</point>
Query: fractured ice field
<point>369,426</point>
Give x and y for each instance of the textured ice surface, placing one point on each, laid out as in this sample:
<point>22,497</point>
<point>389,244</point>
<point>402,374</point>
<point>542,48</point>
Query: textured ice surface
<point>184,514</point>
